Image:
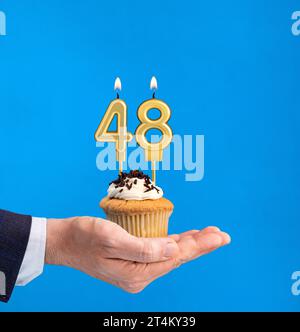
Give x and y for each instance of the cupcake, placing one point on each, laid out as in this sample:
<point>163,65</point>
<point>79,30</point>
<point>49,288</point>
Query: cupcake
<point>137,205</point>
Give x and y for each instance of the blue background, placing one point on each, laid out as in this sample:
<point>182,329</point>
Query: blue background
<point>229,70</point>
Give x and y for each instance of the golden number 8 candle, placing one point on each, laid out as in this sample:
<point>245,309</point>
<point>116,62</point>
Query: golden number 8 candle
<point>154,151</point>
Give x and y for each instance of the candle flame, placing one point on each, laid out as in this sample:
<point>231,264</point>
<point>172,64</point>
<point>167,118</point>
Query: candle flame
<point>118,84</point>
<point>153,83</point>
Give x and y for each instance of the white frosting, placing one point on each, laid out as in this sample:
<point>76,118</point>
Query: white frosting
<point>137,191</point>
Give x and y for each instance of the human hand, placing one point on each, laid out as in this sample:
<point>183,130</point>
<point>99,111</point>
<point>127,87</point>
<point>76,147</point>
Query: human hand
<point>106,251</point>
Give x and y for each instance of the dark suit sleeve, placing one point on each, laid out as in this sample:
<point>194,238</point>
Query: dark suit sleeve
<point>14,237</point>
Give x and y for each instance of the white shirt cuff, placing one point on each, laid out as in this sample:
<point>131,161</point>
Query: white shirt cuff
<point>33,262</point>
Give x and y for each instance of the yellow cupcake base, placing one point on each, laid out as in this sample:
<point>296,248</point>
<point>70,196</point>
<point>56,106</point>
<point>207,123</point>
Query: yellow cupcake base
<point>145,225</point>
<point>147,218</point>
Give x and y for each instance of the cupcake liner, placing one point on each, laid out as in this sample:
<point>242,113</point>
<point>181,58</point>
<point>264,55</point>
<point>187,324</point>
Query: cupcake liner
<point>154,224</point>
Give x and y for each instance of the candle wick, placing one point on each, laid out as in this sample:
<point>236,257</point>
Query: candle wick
<point>153,96</point>
<point>118,96</point>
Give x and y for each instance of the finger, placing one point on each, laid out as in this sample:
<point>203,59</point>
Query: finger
<point>199,244</point>
<point>208,229</point>
<point>177,237</point>
<point>226,238</point>
<point>190,247</point>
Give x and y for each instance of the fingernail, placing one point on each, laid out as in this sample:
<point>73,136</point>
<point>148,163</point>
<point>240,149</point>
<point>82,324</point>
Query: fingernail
<point>171,249</point>
<point>213,228</point>
<point>226,238</point>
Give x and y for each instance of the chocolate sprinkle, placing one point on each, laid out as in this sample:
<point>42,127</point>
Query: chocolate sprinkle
<point>129,186</point>
<point>124,178</point>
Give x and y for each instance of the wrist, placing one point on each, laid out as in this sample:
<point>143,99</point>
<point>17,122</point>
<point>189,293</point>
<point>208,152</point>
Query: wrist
<point>57,230</point>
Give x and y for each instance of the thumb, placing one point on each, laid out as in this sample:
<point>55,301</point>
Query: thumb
<point>145,250</point>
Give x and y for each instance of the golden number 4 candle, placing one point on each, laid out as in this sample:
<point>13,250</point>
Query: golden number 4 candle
<point>120,136</point>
